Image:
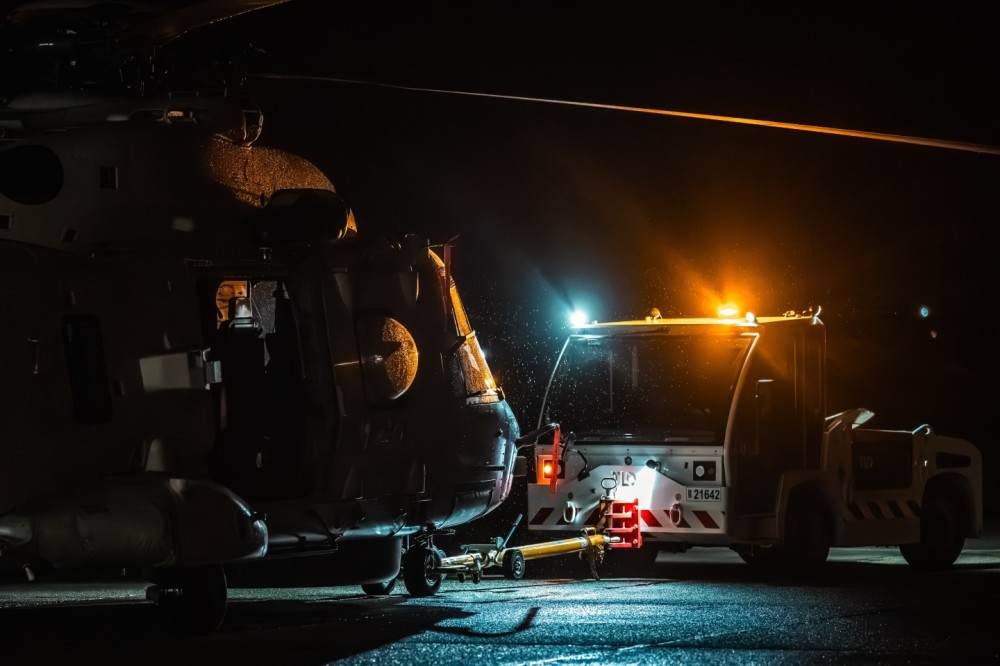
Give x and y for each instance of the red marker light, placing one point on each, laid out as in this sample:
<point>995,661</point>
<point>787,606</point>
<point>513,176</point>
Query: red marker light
<point>555,456</point>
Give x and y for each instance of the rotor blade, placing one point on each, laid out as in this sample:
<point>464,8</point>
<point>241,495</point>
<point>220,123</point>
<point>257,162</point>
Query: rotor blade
<point>165,27</point>
<point>878,136</point>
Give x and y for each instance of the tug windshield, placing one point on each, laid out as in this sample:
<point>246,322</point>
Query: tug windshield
<point>646,387</point>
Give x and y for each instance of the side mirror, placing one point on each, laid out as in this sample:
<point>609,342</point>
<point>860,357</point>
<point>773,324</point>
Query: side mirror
<point>765,411</point>
<point>532,437</point>
<point>765,399</point>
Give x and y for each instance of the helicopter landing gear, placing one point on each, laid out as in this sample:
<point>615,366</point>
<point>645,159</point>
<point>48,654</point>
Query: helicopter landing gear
<point>191,600</point>
<point>421,564</point>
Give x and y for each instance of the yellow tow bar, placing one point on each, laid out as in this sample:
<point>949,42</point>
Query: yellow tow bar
<point>511,560</point>
<point>533,551</point>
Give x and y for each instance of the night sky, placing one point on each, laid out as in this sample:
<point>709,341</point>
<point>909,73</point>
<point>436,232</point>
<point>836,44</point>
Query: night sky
<point>558,207</point>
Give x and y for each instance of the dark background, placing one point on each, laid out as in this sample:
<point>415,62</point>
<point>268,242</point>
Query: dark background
<point>615,212</point>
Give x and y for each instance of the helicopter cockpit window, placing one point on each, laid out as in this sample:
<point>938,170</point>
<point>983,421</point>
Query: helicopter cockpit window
<point>474,378</point>
<point>263,299</point>
<point>249,305</point>
<point>229,292</point>
<point>254,330</point>
<point>468,371</point>
<point>239,305</point>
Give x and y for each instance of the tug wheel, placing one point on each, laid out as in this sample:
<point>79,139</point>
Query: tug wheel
<point>513,564</point>
<point>806,543</point>
<point>941,536</point>
<point>419,570</point>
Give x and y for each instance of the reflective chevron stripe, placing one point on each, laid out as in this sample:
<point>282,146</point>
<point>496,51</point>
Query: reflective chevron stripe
<point>705,518</point>
<point>651,520</point>
<point>881,510</point>
<point>658,520</point>
<point>648,518</point>
<point>540,516</point>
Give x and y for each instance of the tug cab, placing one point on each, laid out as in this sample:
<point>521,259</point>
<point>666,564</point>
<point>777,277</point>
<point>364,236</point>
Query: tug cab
<point>714,432</point>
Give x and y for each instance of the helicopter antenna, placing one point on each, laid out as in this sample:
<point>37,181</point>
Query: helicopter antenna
<point>817,129</point>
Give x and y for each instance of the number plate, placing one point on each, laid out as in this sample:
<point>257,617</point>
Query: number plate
<point>704,494</point>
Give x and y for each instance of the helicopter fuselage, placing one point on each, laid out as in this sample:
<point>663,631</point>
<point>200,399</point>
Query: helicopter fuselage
<point>205,361</point>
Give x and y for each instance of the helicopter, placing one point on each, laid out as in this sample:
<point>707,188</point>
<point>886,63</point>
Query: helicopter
<point>214,374</point>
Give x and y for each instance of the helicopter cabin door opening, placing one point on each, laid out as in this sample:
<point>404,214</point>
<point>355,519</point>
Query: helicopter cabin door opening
<point>260,403</point>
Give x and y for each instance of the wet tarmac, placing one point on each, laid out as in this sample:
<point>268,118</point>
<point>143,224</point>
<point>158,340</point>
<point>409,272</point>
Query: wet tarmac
<point>704,606</point>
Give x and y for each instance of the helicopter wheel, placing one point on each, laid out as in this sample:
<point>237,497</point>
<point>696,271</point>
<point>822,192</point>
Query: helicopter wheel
<point>191,600</point>
<point>419,570</point>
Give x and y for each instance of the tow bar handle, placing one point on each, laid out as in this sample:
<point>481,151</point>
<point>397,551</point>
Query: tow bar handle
<point>517,521</point>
